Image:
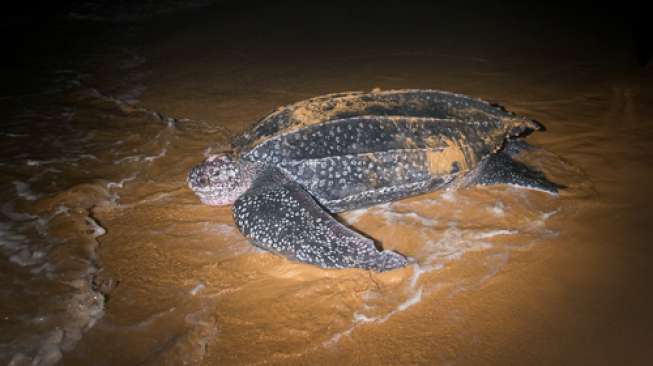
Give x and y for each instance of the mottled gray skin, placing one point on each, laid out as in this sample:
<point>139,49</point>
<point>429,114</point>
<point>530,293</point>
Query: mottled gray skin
<point>351,150</point>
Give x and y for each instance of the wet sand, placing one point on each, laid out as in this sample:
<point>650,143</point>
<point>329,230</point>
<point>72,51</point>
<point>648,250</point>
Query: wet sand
<point>136,271</point>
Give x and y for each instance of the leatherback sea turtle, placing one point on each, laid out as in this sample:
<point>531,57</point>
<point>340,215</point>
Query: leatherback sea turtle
<point>345,151</point>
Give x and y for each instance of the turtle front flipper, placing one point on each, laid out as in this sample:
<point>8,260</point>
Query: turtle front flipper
<point>500,168</point>
<point>278,215</point>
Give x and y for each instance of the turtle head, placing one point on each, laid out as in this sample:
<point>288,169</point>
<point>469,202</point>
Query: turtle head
<point>218,180</point>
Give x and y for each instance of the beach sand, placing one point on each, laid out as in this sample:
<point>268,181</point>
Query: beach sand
<point>108,258</point>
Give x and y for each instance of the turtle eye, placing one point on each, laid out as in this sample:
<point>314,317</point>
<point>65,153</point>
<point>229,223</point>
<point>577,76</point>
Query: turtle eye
<point>204,180</point>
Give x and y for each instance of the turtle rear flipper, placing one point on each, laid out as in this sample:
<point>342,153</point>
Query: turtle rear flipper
<point>502,169</point>
<point>278,215</point>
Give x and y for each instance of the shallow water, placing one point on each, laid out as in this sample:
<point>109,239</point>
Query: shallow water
<point>107,258</point>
